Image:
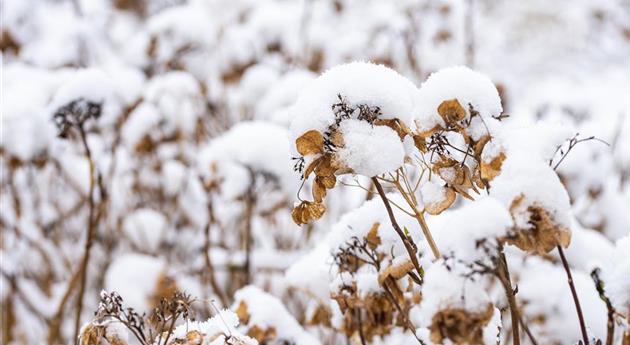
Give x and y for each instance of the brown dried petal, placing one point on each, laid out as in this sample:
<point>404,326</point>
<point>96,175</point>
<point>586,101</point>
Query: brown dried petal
<point>399,127</point>
<point>395,272</point>
<point>243,313</point>
<point>311,142</point>
<point>543,235</point>
<point>307,211</point>
<point>372,238</point>
<point>327,181</point>
<point>319,190</point>
<point>491,170</point>
<point>311,167</point>
<point>420,142</point>
<point>438,207</point>
<point>460,326</point>
<point>451,111</point>
<point>480,144</point>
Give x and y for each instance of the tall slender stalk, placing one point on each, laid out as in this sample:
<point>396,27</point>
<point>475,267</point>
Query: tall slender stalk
<point>576,300</point>
<point>504,277</point>
<point>409,246</point>
<point>90,235</point>
<point>410,199</point>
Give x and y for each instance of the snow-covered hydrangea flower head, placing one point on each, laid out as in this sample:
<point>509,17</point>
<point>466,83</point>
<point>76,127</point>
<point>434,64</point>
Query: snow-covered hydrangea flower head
<point>367,119</point>
<point>348,106</point>
<point>352,119</point>
<point>474,92</point>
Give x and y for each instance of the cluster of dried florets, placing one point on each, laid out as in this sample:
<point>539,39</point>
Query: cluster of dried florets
<point>113,324</point>
<point>364,136</point>
<point>452,142</point>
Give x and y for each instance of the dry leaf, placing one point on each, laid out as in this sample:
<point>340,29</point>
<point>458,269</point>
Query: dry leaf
<point>311,142</point>
<point>451,111</point>
<point>438,207</point>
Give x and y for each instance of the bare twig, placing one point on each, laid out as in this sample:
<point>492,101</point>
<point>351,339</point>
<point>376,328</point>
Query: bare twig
<point>419,216</point>
<point>504,276</point>
<point>409,246</point>
<point>576,300</point>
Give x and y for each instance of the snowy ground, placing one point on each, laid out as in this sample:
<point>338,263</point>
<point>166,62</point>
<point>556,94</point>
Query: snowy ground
<point>178,142</point>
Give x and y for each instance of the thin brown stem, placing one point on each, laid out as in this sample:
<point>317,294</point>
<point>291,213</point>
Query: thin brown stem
<point>504,276</point>
<point>529,333</point>
<point>90,235</point>
<point>210,268</point>
<point>409,246</point>
<point>419,216</point>
<point>576,300</point>
<point>249,213</point>
<point>54,331</point>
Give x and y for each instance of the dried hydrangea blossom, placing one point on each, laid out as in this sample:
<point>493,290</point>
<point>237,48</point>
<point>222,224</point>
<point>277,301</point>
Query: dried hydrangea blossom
<point>537,200</point>
<point>220,329</point>
<point>110,332</point>
<point>263,317</point>
<point>370,269</point>
<point>456,307</point>
<point>352,119</point>
<point>456,90</point>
